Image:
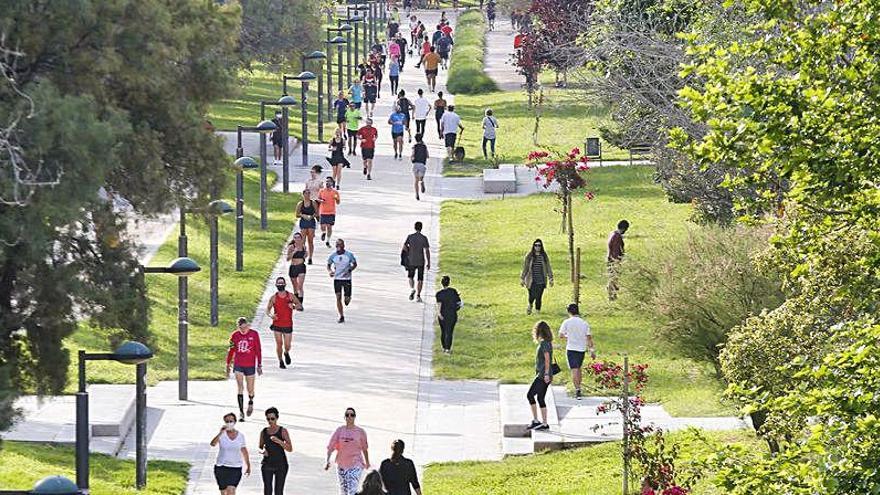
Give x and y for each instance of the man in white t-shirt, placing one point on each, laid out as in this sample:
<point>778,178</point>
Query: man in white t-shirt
<point>450,124</point>
<point>578,339</point>
<point>421,110</point>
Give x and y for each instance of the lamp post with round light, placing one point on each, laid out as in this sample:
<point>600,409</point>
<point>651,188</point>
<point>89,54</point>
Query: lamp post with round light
<point>283,102</point>
<point>317,56</point>
<point>264,127</point>
<point>304,77</point>
<point>338,42</point>
<point>50,485</point>
<point>354,20</point>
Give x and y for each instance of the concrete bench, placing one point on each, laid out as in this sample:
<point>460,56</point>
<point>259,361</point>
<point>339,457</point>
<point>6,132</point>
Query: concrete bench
<point>515,414</point>
<point>499,180</point>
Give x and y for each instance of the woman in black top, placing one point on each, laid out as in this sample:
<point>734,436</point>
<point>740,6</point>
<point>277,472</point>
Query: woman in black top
<point>449,303</point>
<point>399,473</point>
<point>337,156</point>
<point>275,443</point>
<point>419,164</point>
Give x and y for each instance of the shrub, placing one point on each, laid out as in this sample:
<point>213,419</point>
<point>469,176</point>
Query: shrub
<point>697,290</point>
<point>466,75</point>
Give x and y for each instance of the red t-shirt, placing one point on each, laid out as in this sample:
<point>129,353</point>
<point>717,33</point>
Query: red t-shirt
<point>426,48</point>
<point>245,349</point>
<point>368,135</point>
<point>447,30</point>
<point>283,311</point>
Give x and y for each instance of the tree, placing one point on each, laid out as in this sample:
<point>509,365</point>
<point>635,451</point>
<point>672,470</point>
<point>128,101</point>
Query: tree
<point>276,32</point>
<point>105,94</point>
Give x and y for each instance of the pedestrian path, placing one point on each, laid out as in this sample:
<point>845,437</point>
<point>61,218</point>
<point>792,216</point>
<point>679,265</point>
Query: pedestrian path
<point>498,63</point>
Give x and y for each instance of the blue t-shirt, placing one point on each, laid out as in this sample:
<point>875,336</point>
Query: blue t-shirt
<point>397,120</point>
<point>393,69</point>
<point>357,93</point>
<point>341,264</point>
<point>341,106</point>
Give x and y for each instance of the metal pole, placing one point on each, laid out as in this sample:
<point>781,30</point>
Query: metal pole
<point>182,319</point>
<point>82,428</point>
<point>305,124</point>
<point>264,222</point>
<point>141,425</point>
<point>339,72</point>
<point>625,424</point>
<point>285,159</point>
<point>356,49</point>
<point>347,57</point>
<point>214,241</point>
<point>366,36</point>
<point>329,79</point>
<point>320,105</point>
<point>239,210</point>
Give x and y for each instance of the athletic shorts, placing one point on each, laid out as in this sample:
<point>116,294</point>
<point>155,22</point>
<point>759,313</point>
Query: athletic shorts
<point>340,119</point>
<point>444,55</point>
<point>327,219</point>
<point>245,370</point>
<point>575,359</point>
<point>368,153</point>
<point>450,139</point>
<point>352,132</point>
<point>296,270</point>
<point>281,329</point>
<point>227,476</point>
<point>419,169</point>
<point>307,224</point>
<point>395,135</point>
<point>357,105</point>
<point>412,271</point>
<point>430,72</point>
<point>370,97</point>
<point>342,287</point>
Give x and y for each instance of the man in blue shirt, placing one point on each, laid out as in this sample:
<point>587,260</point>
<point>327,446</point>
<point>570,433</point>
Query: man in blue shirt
<point>397,121</point>
<point>340,264</point>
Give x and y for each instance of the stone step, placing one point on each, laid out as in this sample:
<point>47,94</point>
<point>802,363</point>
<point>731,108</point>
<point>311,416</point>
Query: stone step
<point>515,413</point>
<point>517,446</point>
<point>499,180</point>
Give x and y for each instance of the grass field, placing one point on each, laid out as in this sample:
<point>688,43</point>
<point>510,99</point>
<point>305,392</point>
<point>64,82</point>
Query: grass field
<point>585,471</point>
<point>23,464</point>
<point>239,292</point>
<point>482,247</point>
<point>466,74</point>
<point>567,119</point>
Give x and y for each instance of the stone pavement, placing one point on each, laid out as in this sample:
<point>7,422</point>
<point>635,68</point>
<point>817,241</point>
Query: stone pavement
<point>497,60</point>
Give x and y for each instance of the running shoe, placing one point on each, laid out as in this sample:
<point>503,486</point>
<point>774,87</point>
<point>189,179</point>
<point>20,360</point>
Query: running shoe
<point>533,425</point>
<point>365,170</point>
<point>310,261</point>
<point>368,177</point>
<point>542,426</point>
<point>323,236</point>
<point>423,186</point>
<point>341,319</point>
<point>287,357</point>
<point>419,299</point>
<point>281,365</point>
<point>250,409</point>
<point>328,245</point>
<point>241,418</point>
<point>412,295</point>
<point>578,395</point>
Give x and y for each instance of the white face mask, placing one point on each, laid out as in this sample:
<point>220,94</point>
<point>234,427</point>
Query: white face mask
<point>230,425</point>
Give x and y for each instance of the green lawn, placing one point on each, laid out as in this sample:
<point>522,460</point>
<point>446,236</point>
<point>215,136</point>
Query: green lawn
<point>567,119</point>
<point>240,292</point>
<point>466,73</point>
<point>482,247</point>
<point>585,471</point>
<point>23,464</point>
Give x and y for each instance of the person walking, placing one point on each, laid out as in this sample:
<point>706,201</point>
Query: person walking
<point>232,456</point>
<point>444,46</point>
<point>245,356</point>
<point>340,265</point>
<point>371,90</point>
<point>372,484</point>
<point>328,198</point>
<point>278,137</point>
<point>352,121</point>
<point>352,453</point>
<point>421,110</point>
<point>401,42</point>
<point>280,310</point>
<point>536,275</point>
<point>490,124</point>
<point>337,158</point>
<point>418,257</point>
<point>397,120</point>
<point>296,257</point>
<point>399,473</point>
<point>368,135</point>
<point>405,107</point>
<point>432,64</point>
<point>578,339</point>
<point>394,73</point>
<point>419,164</point>
<point>340,104</point>
<point>449,303</point>
<point>450,125</point>
<point>615,257</point>
<point>274,444</point>
<point>307,213</point>
<point>439,110</point>
<point>543,336</point>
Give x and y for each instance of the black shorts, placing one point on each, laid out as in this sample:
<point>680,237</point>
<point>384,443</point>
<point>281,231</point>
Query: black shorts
<point>368,153</point>
<point>296,270</point>
<point>227,476</point>
<point>444,55</point>
<point>278,142</point>
<point>395,135</point>
<point>575,359</point>
<point>352,132</point>
<point>412,271</point>
<point>281,329</point>
<point>450,139</point>
<point>340,120</point>
<point>370,97</point>
<point>245,370</point>
<point>430,72</point>
<point>342,287</point>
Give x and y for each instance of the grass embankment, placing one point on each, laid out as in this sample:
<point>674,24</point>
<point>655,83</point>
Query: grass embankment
<point>482,247</point>
<point>585,471</point>
<point>466,75</point>
<point>566,120</point>
<point>23,464</point>
<point>239,293</point>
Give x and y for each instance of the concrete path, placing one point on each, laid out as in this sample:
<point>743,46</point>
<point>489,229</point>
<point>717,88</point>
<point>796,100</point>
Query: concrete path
<point>499,50</point>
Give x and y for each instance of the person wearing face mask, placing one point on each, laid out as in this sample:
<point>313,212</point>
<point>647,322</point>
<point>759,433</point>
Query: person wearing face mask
<point>274,443</point>
<point>233,455</point>
<point>280,309</point>
<point>247,356</point>
<point>352,454</point>
<point>536,274</point>
<point>340,264</point>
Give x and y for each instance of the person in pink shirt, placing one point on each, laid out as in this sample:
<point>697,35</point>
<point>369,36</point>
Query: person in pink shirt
<point>352,458</point>
<point>393,49</point>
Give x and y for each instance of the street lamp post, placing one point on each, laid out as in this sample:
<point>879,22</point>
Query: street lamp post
<point>318,56</point>
<point>338,41</point>
<point>265,126</point>
<point>213,211</point>
<point>347,56</point>
<point>304,77</point>
<point>365,18</point>
<point>283,102</point>
<point>50,485</point>
<point>129,353</point>
<point>356,21</point>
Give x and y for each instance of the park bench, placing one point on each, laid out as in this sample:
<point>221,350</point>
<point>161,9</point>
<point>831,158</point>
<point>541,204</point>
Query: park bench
<point>640,150</point>
<point>499,180</point>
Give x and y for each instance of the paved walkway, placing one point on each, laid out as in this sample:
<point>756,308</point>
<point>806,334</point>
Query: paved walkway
<point>499,50</point>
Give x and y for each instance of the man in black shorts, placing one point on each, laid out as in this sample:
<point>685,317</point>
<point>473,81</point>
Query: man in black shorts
<point>406,108</point>
<point>340,264</point>
<point>418,258</point>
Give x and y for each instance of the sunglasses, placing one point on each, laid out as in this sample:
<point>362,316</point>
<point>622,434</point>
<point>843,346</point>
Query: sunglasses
<point>350,415</point>
<point>271,418</point>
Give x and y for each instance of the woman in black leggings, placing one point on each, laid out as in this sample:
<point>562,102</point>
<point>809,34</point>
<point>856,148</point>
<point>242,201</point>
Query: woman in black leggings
<point>543,336</point>
<point>274,443</point>
<point>536,275</point>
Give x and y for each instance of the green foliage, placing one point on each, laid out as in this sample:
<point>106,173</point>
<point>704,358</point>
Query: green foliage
<point>276,32</point>
<point>466,75</point>
<point>699,288</point>
<point>23,464</point>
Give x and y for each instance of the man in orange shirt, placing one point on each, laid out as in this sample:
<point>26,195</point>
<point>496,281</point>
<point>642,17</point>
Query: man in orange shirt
<point>328,198</point>
<point>432,61</point>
